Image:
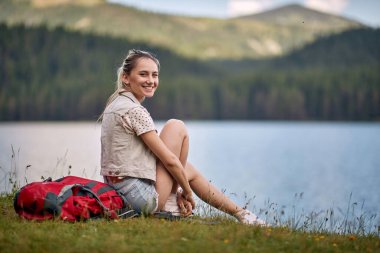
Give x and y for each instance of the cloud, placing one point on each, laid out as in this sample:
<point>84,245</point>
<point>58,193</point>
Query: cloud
<point>245,7</point>
<point>331,6</point>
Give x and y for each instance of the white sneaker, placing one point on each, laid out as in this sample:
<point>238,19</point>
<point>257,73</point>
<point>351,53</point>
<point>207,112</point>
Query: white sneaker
<point>247,217</point>
<point>172,206</point>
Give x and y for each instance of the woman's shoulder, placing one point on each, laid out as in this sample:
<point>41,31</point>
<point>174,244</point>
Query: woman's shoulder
<point>122,105</point>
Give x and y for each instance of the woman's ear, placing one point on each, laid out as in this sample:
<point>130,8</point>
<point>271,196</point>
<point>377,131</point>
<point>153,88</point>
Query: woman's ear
<point>125,78</point>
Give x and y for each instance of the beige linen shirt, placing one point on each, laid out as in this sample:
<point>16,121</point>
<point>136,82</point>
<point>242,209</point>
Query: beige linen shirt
<point>123,152</point>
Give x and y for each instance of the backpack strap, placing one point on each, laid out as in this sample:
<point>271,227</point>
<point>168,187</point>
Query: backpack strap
<point>124,213</point>
<point>66,192</point>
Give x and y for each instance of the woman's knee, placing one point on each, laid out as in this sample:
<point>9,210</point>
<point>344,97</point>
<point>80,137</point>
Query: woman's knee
<point>176,125</point>
<point>176,122</point>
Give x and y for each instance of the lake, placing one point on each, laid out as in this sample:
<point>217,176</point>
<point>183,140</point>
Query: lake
<point>316,165</point>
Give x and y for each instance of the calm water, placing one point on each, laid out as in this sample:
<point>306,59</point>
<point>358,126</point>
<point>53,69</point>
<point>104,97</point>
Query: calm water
<point>269,161</point>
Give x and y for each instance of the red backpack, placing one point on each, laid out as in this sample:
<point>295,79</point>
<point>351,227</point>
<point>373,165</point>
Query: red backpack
<point>70,198</point>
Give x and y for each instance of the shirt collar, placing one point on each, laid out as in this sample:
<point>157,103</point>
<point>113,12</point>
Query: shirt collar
<point>129,95</point>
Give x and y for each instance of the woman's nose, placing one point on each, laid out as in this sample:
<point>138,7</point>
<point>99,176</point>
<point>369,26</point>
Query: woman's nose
<point>150,80</point>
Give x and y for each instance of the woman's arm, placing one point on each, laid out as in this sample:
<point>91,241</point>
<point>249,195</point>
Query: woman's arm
<point>170,161</point>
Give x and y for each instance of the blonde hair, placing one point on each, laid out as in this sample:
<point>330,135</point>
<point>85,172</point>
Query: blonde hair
<point>126,67</point>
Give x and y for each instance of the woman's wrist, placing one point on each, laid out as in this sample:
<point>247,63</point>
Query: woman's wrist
<point>189,197</point>
<point>186,193</point>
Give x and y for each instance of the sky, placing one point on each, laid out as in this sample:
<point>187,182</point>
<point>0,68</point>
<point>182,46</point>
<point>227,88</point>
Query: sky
<point>365,11</point>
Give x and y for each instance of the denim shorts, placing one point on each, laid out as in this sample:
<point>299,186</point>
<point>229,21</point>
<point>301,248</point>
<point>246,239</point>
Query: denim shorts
<point>140,194</point>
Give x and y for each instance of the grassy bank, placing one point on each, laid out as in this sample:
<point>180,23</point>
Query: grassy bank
<point>155,235</point>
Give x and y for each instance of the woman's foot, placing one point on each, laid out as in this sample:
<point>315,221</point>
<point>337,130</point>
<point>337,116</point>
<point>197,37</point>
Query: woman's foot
<point>172,206</point>
<point>247,217</point>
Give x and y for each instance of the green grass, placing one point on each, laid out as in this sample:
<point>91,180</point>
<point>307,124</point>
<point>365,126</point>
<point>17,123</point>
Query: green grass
<point>156,235</point>
<point>351,230</point>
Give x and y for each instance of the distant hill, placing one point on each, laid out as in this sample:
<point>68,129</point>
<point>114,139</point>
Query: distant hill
<point>297,15</point>
<point>357,47</point>
<point>254,37</point>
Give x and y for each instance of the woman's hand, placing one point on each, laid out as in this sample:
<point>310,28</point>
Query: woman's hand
<point>184,205</point>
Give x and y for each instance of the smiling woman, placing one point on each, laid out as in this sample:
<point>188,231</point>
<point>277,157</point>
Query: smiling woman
<point>151,170</point>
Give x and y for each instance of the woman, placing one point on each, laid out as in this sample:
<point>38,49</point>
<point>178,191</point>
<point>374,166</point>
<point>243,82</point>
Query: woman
<point>152,170</point>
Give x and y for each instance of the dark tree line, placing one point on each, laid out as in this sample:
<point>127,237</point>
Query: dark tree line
<point>62,75</point>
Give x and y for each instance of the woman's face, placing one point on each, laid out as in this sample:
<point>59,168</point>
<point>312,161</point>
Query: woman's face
<point>143,79</point>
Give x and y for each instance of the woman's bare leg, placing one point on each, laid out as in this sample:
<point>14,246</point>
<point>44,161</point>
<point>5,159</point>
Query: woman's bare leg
<point>208,192</point>
<point>174,135</point>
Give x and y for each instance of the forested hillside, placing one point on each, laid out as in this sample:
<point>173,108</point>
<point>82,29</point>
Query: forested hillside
<point>199,38</point>
<point>55,74</point>
<point>334,78</point>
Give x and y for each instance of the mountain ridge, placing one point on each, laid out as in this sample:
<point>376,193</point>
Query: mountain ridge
<point>296,14</point>
<point>201,38</point>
